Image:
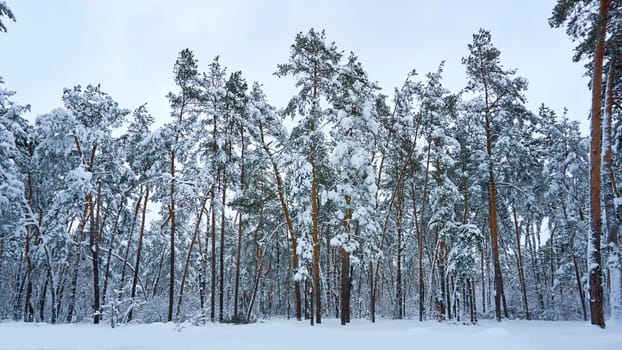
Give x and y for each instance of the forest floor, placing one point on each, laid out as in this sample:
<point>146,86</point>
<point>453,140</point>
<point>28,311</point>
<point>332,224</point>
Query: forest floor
<point>292,335</point>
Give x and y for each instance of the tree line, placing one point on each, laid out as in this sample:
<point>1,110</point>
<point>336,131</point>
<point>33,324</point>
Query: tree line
<point>427,204</point>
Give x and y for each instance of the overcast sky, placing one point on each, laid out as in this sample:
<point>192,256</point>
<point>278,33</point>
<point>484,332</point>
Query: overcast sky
<point>130,46</point>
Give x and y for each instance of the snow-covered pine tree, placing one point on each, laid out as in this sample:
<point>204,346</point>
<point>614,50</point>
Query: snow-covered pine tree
<point>587,22</point>
<point>18,224</point>
<point>314,64</point>
<point>564,197</point>
<point>183,106</point>
<point>496,91</point>
<point>354,192</point>
<point>96,115</point>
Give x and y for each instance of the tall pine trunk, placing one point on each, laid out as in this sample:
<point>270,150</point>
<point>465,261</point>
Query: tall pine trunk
<point>240,231</point>
<point>492,216</point>
<point>221,276</point>
<point>345,268</point>
<point>76,265</point>
<point>110,246</point>
<point>139,249</point>
<point>421,232</point>
<point>613,222</point>
<point>195,237</point>
<point>519,262</point>
<point>94,247</point>
<point>398,278</point>
<point>594,255</point>
<point>316,244</point>
<point>288,221</point>
<point>212,314</point>
<point>171,285</point>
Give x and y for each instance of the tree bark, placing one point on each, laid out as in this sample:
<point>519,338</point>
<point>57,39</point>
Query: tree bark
<point>345,268</point>
<point>109,255</point>
<point>316,244</point>
<point>139,251</point>
<point>398,278</point>
<point>221,276</point>
<point>421,231</point>
<point>213,222</point>
<point>492,217</point>
<point>195,236</point>
<point>94,247</point>
<point>288,222</point>
<point>612,220</point>
<point>240,231</point>
<point>76,265</point>
<point>519,261</point>
<point>171,284</point>
<point>580,286</point>
<point>212,314</point>
<point>594,255</point>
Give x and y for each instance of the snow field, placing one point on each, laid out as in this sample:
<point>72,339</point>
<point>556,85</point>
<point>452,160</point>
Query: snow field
<point>292,335</point>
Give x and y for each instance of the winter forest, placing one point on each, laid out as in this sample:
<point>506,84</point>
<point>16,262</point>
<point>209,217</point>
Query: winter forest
<point>346,203</point>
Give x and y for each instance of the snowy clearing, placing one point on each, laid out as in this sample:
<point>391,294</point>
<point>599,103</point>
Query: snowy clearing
<point>283,334</point>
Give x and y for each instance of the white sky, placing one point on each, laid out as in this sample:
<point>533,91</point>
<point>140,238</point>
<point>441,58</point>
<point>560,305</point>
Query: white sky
<point>130,46</point>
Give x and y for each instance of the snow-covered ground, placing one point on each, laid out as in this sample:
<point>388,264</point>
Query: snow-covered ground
<point>292,335</point>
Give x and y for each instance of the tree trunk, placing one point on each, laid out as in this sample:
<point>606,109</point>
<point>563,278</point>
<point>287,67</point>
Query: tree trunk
<point>315,217</point>
<point>94,247</point>
<point>50,274</point>
<point>195,236</point>
<point>28,311</point>
<point>372,293</point>
<point>127,248</point>
<point>492,217</point>
<point>472,302</point>
<point>212,315</point>
<point>288,221</point>
<point>483,273</point>
<point>139,252</point>
<point>240,231</point>
<point>612,220</point>
<point>237,266</point>
<point>345,287</point>
<point>260,255</point>
<point>530,242</point>
<point>345,267</point>
<point>109,255</point>
<point>398,278</point>
<point>594,255</point>
<point>519,261</point>
<point>157,279</point>
<point>580,286</point>
<point>445,294</point>
<point>171,284</point>
<point>41,302</point>
<point>421,231</point>
<point>221,276</point>
<point>329,274</point>
<point>76,265</point>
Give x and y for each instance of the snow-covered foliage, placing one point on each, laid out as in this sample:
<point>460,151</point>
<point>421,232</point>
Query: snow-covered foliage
<point>232,212</point>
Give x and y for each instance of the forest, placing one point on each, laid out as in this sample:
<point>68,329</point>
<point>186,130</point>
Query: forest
<point>345,203</point>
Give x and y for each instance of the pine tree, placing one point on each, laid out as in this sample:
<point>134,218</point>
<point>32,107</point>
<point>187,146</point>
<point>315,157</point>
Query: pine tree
<point>141,160</point>
<point>18,223</point>
<point>313,63</point>
<point>587,22</point>
<point>186,78</point>
<point>96,115</point>
<point>355,188</point>
<point>497,89</point>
